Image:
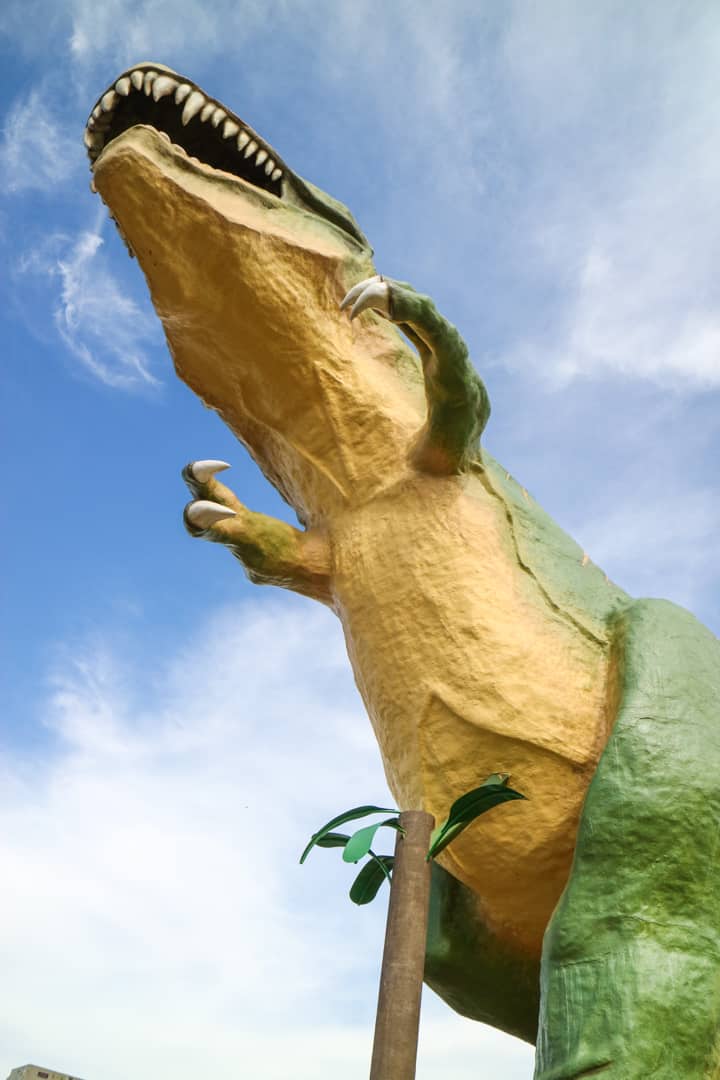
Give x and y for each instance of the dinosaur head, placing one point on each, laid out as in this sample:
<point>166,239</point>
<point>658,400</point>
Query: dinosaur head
<point>246,263</point>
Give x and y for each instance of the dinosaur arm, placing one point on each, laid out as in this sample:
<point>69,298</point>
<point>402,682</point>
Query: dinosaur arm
<point>271,551</point>
<point>458,406</point>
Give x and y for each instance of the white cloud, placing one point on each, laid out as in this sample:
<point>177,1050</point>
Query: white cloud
<point>617,109</point>
<point>37,153</point>
<point>94,27</point>
<point>103,327</point>
<point>672,540</point>
<point>155,920</point>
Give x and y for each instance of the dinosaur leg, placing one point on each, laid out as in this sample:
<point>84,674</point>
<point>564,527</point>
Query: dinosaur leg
<point>457,402</point>
<point>630,984</point>
<point>271,551</point>
<point>469,969</point>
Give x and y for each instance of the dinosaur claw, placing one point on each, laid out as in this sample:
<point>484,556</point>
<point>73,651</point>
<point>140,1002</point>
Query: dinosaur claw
<point>202,471</point>
<point>356,290</point>
<point>375,296</point>
<point>203,514</point>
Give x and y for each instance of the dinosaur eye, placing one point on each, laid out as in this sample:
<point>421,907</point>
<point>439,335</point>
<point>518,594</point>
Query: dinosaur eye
<point>195,124</point>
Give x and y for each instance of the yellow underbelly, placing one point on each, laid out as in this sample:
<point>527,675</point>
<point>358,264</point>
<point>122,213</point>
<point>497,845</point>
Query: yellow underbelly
<point>467,669</point>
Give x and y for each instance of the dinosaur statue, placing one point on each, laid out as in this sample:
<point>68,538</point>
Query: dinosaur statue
<point>585,919</point>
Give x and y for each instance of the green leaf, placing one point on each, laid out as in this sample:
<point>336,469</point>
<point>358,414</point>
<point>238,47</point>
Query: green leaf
<point>341,819</point>
<point>366,884</point>
<point>494,778</point>
<point>469,807</point>
<point>360,842</point>
<point>332,839</point>
<point>385,862</point>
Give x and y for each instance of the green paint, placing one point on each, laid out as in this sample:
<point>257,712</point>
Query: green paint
<point>465,965</point>
<point>458,406</point>
<point>578,588</point>
<point>631,960</point>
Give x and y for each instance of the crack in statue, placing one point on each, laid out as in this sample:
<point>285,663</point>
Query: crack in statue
<point>482,639</point>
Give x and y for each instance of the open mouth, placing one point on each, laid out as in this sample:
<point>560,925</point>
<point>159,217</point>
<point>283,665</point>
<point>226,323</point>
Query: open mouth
<point>196,124</point>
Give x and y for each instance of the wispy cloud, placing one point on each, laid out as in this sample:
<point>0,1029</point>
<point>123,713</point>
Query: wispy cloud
<point>104,328</point>
<point>150,865</point>
<point>37,152</point>
<point>661,547</point>
<point>617,111</point>
<point>94,27</point>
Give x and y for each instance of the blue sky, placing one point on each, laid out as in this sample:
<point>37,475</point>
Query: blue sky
<point>171,734</point>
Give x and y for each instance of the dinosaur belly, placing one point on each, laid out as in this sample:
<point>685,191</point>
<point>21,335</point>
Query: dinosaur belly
<point>466,669</point>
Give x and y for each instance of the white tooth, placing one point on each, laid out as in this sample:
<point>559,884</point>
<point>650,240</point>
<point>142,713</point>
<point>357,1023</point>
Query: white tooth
<point>92,186</point>
<point>204,513</point>
<point>123,86</point>
<point>182,92</point>
<point>207,111</point>
<point>269,166</point>
<point>97,111</point>
<point>149,79</point>
<point>108,100</point>
<point>276,175</point>
<point>137,79</point>
<point>193,105</point>
<point>250,148</point>
<point>91,123</point>
<point>181,149</point>
<point>217,116</point>
<point>262,154</point>
<point>205,470</point>
<point>230,128</point>
<point>163,86</point>
<point>164,135</point>
<point>243,139</point>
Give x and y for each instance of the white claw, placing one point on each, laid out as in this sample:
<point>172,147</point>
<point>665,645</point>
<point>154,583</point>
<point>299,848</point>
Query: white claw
<point>204,514</point>
<point>205,470</point>
<point>356,290</point>
<point>375,296</point>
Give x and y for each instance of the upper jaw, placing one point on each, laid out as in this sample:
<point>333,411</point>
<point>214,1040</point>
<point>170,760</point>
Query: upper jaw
<point>197,125</point>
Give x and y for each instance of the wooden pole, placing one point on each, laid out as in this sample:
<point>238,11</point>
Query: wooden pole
<point>398,1014</point>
